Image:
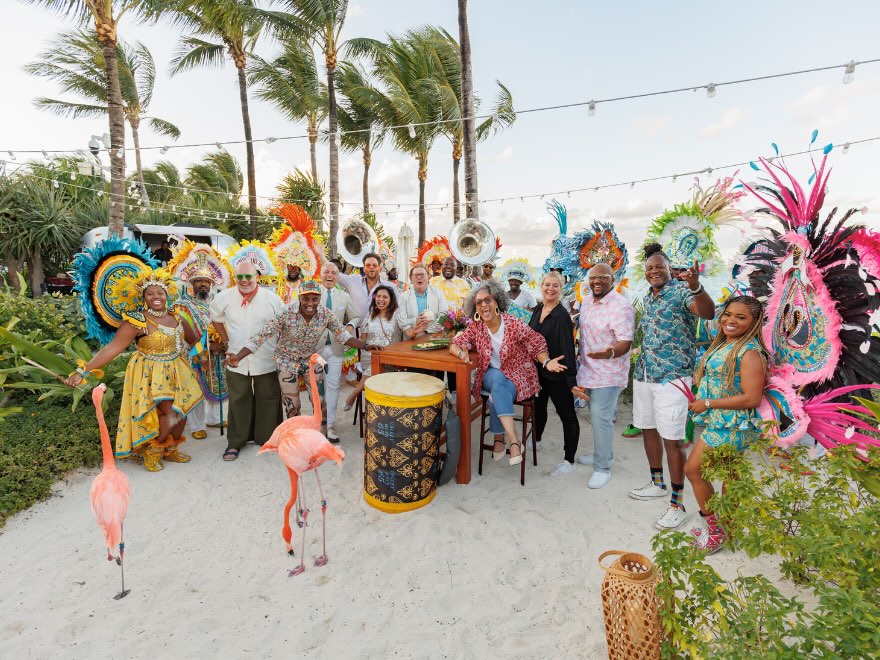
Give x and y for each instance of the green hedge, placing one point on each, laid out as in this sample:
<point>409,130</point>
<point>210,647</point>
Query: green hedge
<point>42,443</point>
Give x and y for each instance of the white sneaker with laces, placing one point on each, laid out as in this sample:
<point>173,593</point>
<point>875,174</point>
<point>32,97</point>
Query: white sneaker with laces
<point>599,479</point>
<point>672,518</point>
<point>585,459</point>
<point>648,492</point>
<point>563,468</point>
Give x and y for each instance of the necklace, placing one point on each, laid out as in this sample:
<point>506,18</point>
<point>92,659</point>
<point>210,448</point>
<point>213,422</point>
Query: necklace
<point>158,315</point>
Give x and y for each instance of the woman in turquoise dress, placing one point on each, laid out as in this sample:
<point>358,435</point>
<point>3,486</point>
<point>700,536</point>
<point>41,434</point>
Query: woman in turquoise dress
<point>730,383</point>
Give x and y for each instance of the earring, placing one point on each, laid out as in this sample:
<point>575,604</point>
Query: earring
<point>477,317</point>
<point>497,311</point>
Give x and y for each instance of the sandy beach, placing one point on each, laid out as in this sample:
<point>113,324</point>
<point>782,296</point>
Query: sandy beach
<point>491,569</point>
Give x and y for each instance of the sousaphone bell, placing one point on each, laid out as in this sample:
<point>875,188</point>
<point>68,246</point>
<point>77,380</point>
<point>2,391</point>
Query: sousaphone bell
<point>472,242</point>
<point>354,240</point>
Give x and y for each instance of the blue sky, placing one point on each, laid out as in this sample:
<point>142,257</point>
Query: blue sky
<point>547,53</point>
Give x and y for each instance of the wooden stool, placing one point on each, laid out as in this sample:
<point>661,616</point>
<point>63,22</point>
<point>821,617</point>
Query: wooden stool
<point>359,410</point>
<point>528,427</point>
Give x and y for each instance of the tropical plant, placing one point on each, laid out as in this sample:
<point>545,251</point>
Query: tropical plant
<point>75,60</point>
<point>164,182</point>
<point>820,518</point>
<point>292,84</point>
<point>298,187</point>
<point>229,27</point>
<point>357,120</point>
<point>106,15</point>
<point>370,219</point>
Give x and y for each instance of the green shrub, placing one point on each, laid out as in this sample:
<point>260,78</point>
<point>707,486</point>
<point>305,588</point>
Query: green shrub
<point>43,442</point>
<point>36,314</point>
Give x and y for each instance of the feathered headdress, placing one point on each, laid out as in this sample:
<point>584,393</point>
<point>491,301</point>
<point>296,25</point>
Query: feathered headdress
<point>294,242</point>
<point>687,231</point>
<point>96,271</point>
<point>199,260</point>
<point>518,268</point>
<point>263,259</point>
<point>128,290</point>
<point>435,248</point>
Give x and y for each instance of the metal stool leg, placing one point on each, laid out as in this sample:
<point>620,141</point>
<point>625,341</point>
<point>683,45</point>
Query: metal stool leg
<point>483,414</point>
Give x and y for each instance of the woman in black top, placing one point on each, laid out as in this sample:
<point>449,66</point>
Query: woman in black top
<point>552,321</point>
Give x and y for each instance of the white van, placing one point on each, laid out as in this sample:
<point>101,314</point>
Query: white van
<point>153,235</point>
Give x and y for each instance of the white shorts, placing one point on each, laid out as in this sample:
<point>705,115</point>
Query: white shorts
<point>661,406</point>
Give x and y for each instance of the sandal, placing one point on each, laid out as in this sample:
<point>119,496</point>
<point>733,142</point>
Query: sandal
<point>230,455</point>
<point>516,460</point>
<point>498,455</point>
<point>347,406</point>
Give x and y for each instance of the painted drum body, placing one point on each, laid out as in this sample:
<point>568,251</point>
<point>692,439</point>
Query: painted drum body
<point>401,449</point>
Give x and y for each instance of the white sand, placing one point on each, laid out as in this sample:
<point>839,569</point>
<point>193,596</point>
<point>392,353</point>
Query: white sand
<point>491,569</point>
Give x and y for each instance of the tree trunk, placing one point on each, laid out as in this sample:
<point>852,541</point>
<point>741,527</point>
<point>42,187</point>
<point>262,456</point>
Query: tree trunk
<point>423,175</point>
<point>313,148</point>
<point>106,33</point>
<point>368,159</point>
<point>136,138</point>
<point>471,195</point>
<point>334,151</point>
<point>249,147</point>
<point>12,267</point>
<point>35,270</point>
<point>456,209</point>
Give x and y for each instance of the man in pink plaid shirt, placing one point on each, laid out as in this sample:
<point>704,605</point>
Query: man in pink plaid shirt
<point>607,327</point>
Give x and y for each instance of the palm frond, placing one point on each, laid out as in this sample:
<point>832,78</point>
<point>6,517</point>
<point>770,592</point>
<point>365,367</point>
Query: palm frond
<point>194,53</point>
<point>163,127</point>
<point>69,109</point>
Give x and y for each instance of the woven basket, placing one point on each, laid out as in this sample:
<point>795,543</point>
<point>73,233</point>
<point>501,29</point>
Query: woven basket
<point>630,606</point>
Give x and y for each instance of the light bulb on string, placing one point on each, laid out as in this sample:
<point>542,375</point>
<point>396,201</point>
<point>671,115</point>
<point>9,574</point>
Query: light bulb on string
<point>45,154</point>
<point>163,150</point>
<point>120,153</point>
<point>73,176</point>
<point>411,130</point>
<point>846,148</point>
<point>591,108</point>
<point>849,72</point>
<point>11,155</point>
<point>709,171</point>
<point>710,90</point>
<point>674,178</point>
<point>632,184</point>
<point>269,140</point>
<point>219,146</point>
<point>337,137</point>
<point>54,184</point>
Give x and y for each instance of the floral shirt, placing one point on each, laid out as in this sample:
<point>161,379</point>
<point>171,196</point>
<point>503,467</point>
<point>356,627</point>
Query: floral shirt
<point>455,289</point>
<point>603,323</point>
<point>297,338</point>
<point>668,348</point>
<point>518,352</point>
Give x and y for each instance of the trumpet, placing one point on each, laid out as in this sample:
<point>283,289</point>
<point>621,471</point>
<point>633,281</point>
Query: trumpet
<point>472,242</point>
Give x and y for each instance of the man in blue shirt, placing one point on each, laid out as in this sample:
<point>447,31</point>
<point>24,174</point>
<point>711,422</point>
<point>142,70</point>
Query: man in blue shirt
<point>671,308</point>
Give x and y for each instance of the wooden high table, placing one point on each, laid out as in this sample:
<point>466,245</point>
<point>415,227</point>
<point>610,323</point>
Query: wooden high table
<point>402,354</point>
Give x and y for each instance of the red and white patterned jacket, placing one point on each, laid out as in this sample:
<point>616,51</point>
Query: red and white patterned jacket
<point>518,351</point>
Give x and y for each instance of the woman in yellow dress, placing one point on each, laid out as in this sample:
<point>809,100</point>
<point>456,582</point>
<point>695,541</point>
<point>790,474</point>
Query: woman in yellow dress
<point>160,386</point>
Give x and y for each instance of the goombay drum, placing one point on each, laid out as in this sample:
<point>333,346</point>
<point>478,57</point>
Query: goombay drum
<point>401,452</point>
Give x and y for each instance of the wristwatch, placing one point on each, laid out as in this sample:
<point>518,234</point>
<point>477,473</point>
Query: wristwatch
<point>707,403</point>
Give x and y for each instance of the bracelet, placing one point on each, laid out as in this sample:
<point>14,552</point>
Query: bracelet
<point>698,291</point>
<point>544,363</point>
<point>611,348</point>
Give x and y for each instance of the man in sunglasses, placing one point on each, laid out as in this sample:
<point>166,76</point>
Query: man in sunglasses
<point>238,314</point>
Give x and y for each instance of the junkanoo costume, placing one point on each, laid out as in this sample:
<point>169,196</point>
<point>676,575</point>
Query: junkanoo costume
<point>194,261</point>
<point>294,244</point>
<point>110,280</point>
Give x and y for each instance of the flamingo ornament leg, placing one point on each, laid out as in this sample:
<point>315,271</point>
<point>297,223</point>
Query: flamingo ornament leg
<point>302,563</point>
<point>323,559</point>
<point>120,560</point>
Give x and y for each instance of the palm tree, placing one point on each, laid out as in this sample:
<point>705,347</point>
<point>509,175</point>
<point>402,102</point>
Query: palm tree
<point>75,60</point>
<point>411,101</point>
<point>291,83</point>
<point>106,21</point>
<point>447,57</point>
<point>218,175</point>
<point>319,22</point>
<point>233,28</point>
<point>298,187</point>
<point>471,194</point>
<point>357,119</point>
<point>164,182</point>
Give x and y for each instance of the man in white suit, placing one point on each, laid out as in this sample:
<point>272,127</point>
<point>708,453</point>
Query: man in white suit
<point>415,303</point>
<point>337,300</point>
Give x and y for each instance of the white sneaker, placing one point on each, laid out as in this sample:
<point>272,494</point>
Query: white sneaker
<point>599,479</point>
<point>585,459</point>
<point>331,434</point>
<point>563,468</point>
<point>673,517</point>
<point>648,492</point>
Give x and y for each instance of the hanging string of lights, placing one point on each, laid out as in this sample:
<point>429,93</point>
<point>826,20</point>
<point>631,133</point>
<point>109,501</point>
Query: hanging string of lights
<point>711,90</point>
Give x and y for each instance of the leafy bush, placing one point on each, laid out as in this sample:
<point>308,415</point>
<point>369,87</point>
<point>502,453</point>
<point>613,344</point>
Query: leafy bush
<point>821,519</point>
<point>36,314</point>
<point>43,442</point>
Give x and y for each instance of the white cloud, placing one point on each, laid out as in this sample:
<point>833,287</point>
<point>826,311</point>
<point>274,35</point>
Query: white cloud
<point>354,10</point>
<point>651,127</point>
<point>831,107</point>
<point>729,119</point>
<point>507,154</point>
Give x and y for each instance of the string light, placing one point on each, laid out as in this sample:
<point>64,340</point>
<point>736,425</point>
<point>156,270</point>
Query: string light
<point>849,73</point>
<point>710,90</point>
<point>591,108</point>
<point>269,140</point>
<point>163,150</point>
<point>120,153</point>
<point>846,148</point>
<point>11,155</point>
<point>411,130</point>
<point>45,154</point>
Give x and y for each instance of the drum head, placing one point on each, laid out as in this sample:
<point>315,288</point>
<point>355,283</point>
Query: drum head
<point>405,385</point>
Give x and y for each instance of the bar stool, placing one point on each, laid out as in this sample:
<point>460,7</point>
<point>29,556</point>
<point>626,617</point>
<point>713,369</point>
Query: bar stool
<point>359,409</point>
<point>528,427</point>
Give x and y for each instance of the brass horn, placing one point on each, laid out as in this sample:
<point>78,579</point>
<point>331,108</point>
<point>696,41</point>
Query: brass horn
<point>355,239</point>
<point>472,242</point>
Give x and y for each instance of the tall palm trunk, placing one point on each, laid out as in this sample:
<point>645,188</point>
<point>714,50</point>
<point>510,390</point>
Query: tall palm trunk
<point>423,175</point>
<point>136,138</point>
<point>456,195</point>
<point>471,194</point>
<point>106,33</point>
<point>313,147</point>
<point>330,59</point>
<point>35,270</point>
<point>240,63</point>
<point>368,159</point>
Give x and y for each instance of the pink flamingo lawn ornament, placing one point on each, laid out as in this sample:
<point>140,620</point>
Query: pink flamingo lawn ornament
<point>303,450</point>
<point>110,493</point>
<point>312,421</point>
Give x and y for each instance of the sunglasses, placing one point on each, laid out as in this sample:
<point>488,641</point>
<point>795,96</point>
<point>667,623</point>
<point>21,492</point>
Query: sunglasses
<point>482,302</point>
<point>244,276</point>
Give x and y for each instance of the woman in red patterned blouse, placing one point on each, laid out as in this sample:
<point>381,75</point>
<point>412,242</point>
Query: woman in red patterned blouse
<point>507,350</point>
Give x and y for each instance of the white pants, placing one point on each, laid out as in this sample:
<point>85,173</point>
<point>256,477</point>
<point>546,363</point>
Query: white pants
<point>205,411</point>
<point>661,406</point>
<point>332,380</point>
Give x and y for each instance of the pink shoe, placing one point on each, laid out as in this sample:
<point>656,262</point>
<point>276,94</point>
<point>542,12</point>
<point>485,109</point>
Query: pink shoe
<point>711,539</point>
